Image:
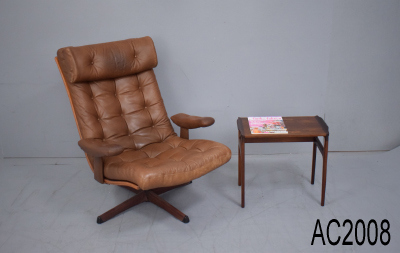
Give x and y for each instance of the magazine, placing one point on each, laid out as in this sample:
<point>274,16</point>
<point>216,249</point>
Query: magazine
<point>267,125</point>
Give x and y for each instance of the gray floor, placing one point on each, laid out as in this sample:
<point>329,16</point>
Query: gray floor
<point>51,205</point>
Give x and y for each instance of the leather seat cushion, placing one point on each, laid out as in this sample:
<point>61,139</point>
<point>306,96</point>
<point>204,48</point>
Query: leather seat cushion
<point>172,162</point>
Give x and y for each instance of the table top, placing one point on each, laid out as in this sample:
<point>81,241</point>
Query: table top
<point>303,126</point>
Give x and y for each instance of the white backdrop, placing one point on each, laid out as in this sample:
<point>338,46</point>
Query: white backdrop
<point>337,59</point>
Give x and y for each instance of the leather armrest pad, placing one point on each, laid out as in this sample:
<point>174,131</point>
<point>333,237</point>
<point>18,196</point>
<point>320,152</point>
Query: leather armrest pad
<point>99,148</point>
<point>191,122</point>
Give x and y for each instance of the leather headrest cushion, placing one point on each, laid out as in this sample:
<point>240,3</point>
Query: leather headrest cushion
<point>107,60</point>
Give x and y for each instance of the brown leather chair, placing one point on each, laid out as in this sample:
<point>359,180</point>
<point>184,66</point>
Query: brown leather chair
<point>124,128</point>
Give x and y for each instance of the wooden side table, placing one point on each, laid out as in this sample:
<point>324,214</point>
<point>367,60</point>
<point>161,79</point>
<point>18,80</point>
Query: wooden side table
<point>300,129</point>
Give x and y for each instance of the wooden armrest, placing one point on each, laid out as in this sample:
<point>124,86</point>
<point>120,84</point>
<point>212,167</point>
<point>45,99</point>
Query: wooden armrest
<point>186,122</point>
<point>191,122</point>
<point>99,148</point>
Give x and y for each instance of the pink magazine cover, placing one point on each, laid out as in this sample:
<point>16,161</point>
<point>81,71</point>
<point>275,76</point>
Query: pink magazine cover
<point>267,125</point>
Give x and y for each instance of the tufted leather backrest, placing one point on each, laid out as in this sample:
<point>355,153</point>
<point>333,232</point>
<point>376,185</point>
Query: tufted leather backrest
<point>114,92</point>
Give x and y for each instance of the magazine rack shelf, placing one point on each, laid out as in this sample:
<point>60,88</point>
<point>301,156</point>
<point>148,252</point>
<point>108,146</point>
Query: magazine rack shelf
<point>300,129</point>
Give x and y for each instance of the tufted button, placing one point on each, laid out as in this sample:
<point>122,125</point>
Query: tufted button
<point>115,94</point>
<point>98,118</point>
<point>91,98</point>
<point>92,63</point>
<point>135,56</point>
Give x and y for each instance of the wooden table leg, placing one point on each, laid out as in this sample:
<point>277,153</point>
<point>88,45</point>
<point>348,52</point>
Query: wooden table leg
<point>313,162</point>
<point>242,152</point>
<point>325,162</point>
<point>239,175</point>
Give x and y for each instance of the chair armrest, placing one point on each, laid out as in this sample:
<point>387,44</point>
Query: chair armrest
<point>191,122</point>
<point>99,148</point>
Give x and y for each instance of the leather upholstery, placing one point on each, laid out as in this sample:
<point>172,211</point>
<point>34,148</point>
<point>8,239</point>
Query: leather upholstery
<point>172,162</point>
<point>118,106</point>
<point>191,122</point>
<point>107,60</point>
